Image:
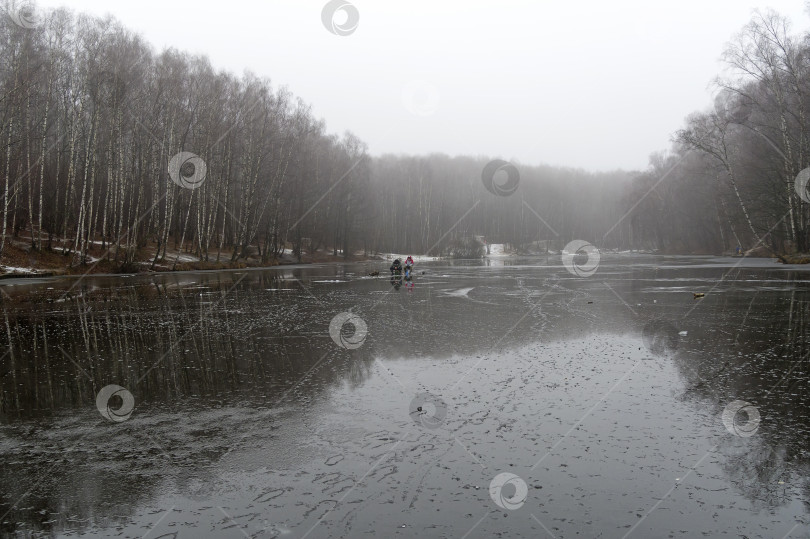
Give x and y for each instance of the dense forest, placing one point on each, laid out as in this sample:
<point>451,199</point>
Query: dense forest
<point>734,168</point>
<point>115,151</point>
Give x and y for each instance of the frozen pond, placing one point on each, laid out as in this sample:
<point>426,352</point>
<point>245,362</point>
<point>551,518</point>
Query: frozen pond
<point>614,405</point>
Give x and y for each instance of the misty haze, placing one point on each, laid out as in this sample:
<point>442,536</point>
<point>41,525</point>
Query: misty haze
<point>364,269</point>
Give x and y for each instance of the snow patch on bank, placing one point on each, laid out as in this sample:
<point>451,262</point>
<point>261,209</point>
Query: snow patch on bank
<point>416,258</point>
<point>15,269</point>
<point>497,249</point>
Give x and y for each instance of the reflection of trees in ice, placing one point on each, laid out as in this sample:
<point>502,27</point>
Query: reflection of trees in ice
<point>359,370</point>
<point>169,339</point>
<point>209,359</point>
<point>757,470</point>
<point>731,354</point>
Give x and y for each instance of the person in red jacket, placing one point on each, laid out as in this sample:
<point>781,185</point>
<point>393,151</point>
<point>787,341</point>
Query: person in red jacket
<point>408,267</point>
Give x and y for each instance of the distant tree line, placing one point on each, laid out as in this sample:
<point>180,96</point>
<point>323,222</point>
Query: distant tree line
<point>110,147</point>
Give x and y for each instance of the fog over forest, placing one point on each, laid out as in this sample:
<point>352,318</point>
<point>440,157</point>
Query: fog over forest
<point>113,148</point>
<point>224,316</point>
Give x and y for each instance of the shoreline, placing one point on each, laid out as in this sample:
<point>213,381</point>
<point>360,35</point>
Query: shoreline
<point>18,261</point>
<point>107,268</point>
<point>35,274</point>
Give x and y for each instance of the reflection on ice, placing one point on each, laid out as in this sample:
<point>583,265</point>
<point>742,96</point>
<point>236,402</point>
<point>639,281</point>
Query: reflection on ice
<point>244,399</point>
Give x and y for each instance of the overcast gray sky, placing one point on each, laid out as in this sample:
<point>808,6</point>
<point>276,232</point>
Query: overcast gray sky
<point>592,84</point>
